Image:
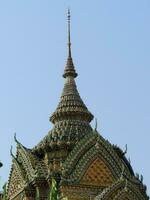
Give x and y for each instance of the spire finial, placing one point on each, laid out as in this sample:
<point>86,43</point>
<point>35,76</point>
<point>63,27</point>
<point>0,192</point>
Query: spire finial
<point>69,69</point>
<point>69,39</point>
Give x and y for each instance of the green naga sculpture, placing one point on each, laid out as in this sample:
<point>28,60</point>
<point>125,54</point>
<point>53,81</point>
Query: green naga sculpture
<point>54,193</point>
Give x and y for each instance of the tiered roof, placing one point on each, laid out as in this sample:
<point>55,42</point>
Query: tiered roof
<point>71,118</point>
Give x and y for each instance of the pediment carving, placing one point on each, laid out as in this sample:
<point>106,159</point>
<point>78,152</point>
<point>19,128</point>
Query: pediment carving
<point>98,174</point>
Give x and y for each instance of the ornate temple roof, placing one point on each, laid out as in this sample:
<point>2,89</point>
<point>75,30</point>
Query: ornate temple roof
<point>78,157</point>
<point>71,118</point>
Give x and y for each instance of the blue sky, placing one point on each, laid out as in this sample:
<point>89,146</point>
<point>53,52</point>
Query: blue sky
<point>111,48</point>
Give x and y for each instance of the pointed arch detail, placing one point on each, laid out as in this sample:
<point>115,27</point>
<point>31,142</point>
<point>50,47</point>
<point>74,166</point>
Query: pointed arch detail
<point>91,147</point>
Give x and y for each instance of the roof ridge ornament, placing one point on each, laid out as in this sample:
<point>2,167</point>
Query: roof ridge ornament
<point>126,149</point>
<point>15,138</point>
<point>96,124</point>
<point>11,152</point>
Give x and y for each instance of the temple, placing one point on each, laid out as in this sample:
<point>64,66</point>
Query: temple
<point>84,164</point>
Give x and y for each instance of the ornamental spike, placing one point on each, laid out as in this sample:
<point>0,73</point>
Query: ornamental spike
<point>15,138</point>
<point>126,149</point>
<point>96,124</point>
<point>69,39</point>
<point>69,69</point>
<point>11,152</point>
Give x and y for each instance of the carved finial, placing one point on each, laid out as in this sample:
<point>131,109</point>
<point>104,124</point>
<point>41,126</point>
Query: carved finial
<point>137,176</point>
<point>69,69</point>
<point>69,40</point>
<point>126,149</point>
<point>141,178</point>
<point>95,124</point>
<point>11,152</point>
<point>15,138</point>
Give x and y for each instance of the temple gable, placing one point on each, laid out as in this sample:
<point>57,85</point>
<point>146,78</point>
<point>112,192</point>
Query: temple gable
<point>16,182</point>
<point>97,174</point>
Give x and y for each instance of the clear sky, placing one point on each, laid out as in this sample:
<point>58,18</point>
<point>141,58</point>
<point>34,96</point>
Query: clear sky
<point>111,52</point>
